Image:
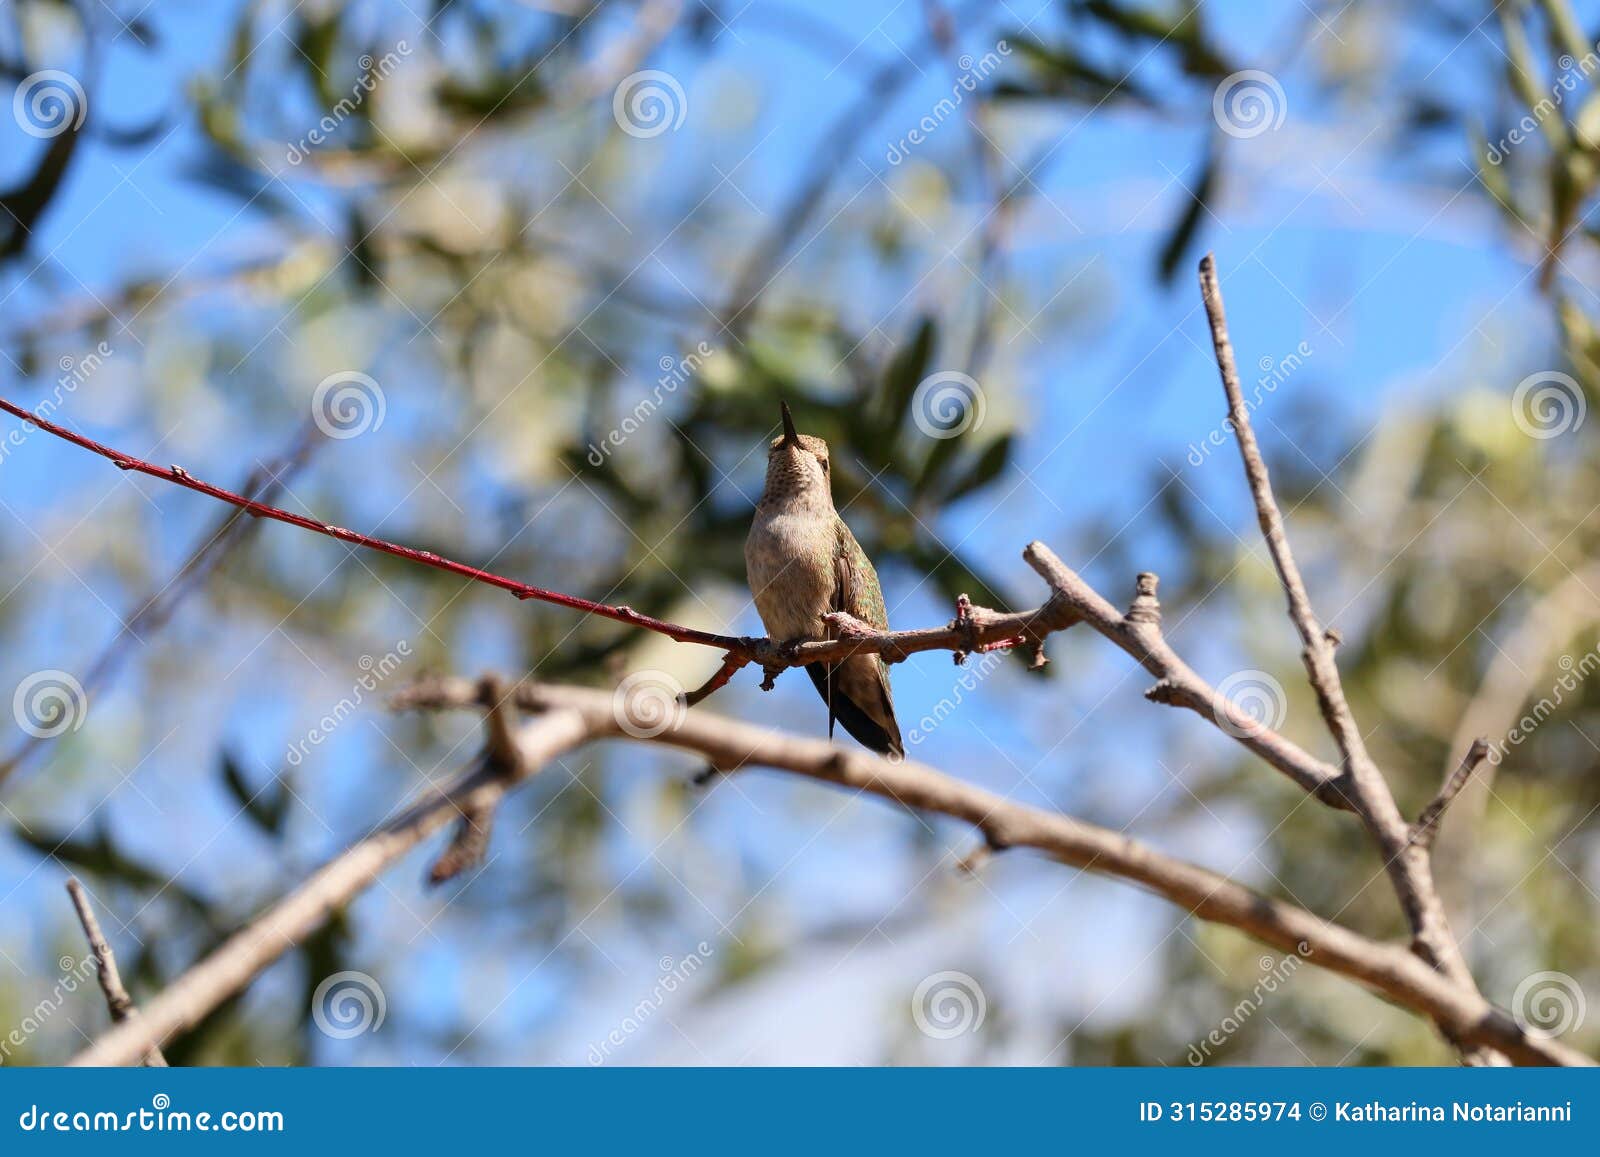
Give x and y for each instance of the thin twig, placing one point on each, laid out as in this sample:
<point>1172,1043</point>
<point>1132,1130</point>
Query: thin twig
<point>210,550</point>
<point>117,998</point>
<point>502,757</point>
<point>731,665</point>
<point>1139,634</point>
<point>1320,665</point>
<point>181,477</point>
<point>1426,829</point>
<point>893,645</point>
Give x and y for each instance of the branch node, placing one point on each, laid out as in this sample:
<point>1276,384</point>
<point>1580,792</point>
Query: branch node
<point>1146,608</point>
<point>502,757</point>
<point>1334,636</point>
<point>1164,691</point>
<point>976,859</point>
<point>505,756</point>
<point>971,863</point>
<point>966,624</point>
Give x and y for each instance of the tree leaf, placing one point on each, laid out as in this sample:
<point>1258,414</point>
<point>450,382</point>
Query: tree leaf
<point>1182,235</point>
<point>995,457</point>
<point>267,809</point>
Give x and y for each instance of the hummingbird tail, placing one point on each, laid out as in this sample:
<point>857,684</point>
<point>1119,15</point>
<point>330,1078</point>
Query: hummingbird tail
<point>880,734</point>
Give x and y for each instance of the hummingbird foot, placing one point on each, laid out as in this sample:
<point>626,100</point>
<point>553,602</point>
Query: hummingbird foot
<point>847,626</point>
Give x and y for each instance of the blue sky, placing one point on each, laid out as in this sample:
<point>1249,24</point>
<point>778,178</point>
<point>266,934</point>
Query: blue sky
<point>1389,271</point>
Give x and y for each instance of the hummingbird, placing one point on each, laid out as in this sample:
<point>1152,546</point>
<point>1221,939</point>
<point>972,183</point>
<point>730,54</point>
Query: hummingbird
<point>803,563</point>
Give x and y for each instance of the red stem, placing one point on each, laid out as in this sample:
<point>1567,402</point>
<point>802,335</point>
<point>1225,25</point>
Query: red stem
<point>427,558</point>
<point>731,665</point>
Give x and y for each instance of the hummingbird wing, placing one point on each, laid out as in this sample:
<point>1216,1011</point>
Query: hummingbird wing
<point>856,690</point>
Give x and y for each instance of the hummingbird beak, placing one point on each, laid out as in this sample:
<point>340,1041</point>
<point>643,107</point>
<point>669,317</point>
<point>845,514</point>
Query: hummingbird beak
<point>791,437</point>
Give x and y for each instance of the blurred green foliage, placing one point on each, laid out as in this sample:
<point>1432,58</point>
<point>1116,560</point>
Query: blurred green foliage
<point>462,214</point>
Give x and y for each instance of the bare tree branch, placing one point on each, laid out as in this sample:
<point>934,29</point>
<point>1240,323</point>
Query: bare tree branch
<point>1139,634</point>
<point>1460,1011</point>
<point>117,998</point>
<point>245,954</point>
<point>1357,785</point>
<point>568,716</point>
<point>974,628</point>
<point>1406,860</point>
<point>1319,647</point>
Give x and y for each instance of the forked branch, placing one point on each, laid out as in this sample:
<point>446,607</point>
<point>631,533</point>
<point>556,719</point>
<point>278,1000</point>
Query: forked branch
<point>568,716</point>
<point>1405,857</point>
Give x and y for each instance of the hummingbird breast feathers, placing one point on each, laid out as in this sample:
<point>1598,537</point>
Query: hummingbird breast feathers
<point>789,562</point>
